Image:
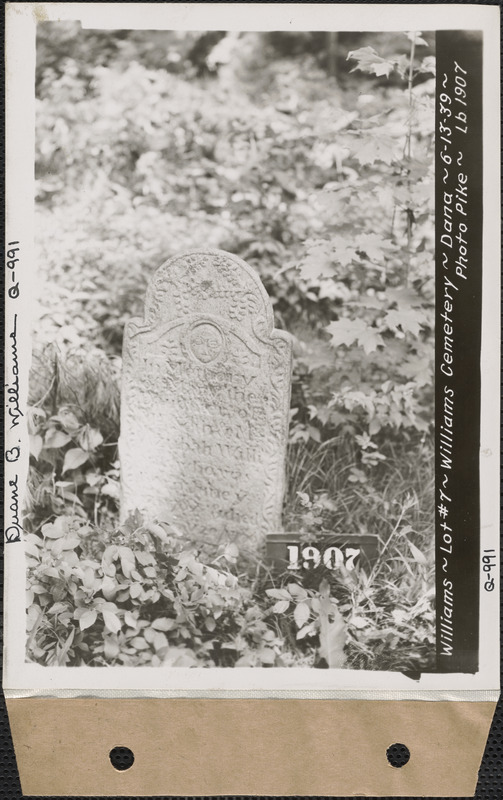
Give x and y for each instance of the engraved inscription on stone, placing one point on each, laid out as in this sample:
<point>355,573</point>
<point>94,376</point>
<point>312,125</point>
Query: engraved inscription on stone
<point>205,401</point>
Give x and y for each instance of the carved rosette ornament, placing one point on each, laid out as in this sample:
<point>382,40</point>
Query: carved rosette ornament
<point>205,402</point>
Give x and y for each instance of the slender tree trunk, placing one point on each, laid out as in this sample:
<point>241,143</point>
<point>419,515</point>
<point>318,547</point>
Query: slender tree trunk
<point>332,37</point>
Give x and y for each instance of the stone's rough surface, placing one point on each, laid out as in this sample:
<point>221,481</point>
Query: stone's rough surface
<point>205,402</point>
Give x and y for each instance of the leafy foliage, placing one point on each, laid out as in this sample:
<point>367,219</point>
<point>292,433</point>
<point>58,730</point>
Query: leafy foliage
<point>73,422</point>
<point>377,248</point>
<point>138,596</point>
<point>161,142</point>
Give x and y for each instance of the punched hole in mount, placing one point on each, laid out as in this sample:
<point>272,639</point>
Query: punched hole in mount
<point>398,755</point>
<point>121,758</point>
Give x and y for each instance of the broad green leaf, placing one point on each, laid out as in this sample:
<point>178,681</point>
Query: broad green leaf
<point>160,641</point>
<point>369,61</point>
<point>305,631</point>
<point>415,36</point>
<point>56,529</point>
<point>295,590</point>
<point>130,620</point>
<point>150,572</point>
<point>344,250</point>
<point>404,296</point>
<point>69,542</point>
<point>111,647</point>
<point>36,444</point>
<point>375,247</point>
<point>56,438</point>
<point>420,370</point>
<point>110,554</point>
<point>135,590</point>
<point>109,587</point>
<point>111,489</point>
<point>89,438</point>
<point>231,553</point>
<point>408,321</point>
<point>58,608</point>
<point>128,561</point>
<point>349,331</point>
<point>144,558</point>
<point>88,578</point>
<point>278,594</point>
<point>180,657</point>
<point>156,530</point>
<point>384,68</point>
<point>401,64</point>
<point>163,624</point>
<point>281,606</point>
<point>318,263</point>
<point>139,643</point>
<point>346,331</point>
<point>149,634</point>
<point>333,634</point>
<point>74,458</point>
<point>111,620</point>
<point>381,147</point>
<point>49,572</point>
<point>301,614</point>
<point>88,618</point>
<point>428,64</point>
<point>34,417</point>
<point>68,420</point>
<point>267,656</point>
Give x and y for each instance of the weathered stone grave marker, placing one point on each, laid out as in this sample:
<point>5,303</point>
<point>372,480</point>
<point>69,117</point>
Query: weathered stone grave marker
<point>205,402</point>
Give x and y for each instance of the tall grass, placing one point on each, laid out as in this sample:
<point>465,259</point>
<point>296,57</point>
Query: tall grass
<point>391,605</point>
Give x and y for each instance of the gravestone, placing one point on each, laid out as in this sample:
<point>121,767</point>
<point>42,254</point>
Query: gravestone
<point>205,402</point>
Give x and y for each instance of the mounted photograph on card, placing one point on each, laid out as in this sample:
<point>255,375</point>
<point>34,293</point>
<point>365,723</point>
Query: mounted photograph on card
<point>232,456</point>
<point>245,424</point>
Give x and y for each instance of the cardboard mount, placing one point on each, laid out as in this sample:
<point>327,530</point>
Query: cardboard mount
<point>259,747</point>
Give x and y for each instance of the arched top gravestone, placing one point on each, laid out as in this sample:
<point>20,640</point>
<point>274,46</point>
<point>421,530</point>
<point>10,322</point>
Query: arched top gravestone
<point>205,402</point>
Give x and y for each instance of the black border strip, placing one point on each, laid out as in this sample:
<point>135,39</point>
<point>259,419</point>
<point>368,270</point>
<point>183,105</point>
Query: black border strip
<point>458,248</point>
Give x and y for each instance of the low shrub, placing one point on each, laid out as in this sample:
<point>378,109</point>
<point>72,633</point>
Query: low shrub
<point>140,596</point>
<point>73,422</point>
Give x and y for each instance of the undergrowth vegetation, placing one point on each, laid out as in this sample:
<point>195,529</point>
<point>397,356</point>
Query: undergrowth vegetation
<point>325,187</point>
<point>141,597</point>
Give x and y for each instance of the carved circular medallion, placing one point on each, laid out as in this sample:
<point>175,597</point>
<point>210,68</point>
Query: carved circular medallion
<point>206,342</point>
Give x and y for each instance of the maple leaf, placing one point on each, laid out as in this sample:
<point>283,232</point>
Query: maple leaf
<point>422,192</point>
<point>428,64</point>
<point>318,262</point>
<point>370,61</point>
<point>373,148</point>
<point>346,331</point>
<point>370,340</point>
<point>383,68</point>
<point>349,331</point>
<point>408,320</point>
<point>419,370</point>
<point>404,296</point>
<point>333,201</point>
<point>373,245</point>
<point>415,36</point>
<point>401,65</point>
<point>344,250</point>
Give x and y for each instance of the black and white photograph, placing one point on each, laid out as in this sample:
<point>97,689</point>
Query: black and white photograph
<point>240,402</point>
